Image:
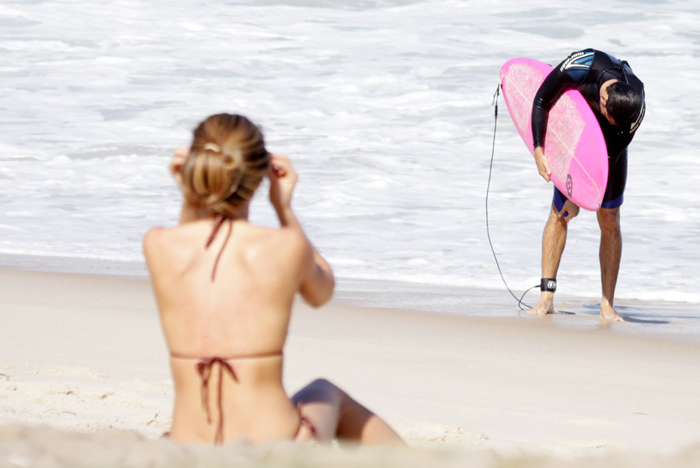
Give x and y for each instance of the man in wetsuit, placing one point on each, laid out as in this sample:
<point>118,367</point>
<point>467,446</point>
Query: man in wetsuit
<point>616,97</point>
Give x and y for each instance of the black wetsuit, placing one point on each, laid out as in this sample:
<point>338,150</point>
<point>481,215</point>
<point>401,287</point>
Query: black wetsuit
<point>586,71</point>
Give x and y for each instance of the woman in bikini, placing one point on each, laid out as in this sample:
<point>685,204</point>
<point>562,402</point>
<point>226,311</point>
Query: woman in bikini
<point>225,288</point>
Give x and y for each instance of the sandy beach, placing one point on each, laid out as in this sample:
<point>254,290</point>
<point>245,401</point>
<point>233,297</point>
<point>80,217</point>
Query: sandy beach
<point>386,109</point>
<point>84,380</point>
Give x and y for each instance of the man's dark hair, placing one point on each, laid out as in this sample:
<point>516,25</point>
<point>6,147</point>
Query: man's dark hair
<point>624,104</point>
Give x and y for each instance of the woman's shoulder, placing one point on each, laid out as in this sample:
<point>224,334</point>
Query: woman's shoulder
<point>156,243</point>
<point>283,239</point>
<point>153,238</point>
<point>160,242</point>
<point>284,250</point>
<point>160,236</point>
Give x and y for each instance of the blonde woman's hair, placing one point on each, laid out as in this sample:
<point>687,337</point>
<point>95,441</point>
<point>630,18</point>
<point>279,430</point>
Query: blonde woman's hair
<point>226,164</point>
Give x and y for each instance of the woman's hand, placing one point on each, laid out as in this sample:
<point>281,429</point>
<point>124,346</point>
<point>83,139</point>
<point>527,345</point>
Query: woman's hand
<point>542,164</point>
<point>283,179</point>
<point>179,157</point>
<point>188,212</point>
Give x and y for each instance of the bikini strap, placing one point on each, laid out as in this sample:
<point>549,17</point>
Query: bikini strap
<point>229,358</point>
<point>217,225</point>
<point>204,368</point>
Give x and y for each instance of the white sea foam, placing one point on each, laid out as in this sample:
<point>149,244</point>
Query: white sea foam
<point>385,109</point>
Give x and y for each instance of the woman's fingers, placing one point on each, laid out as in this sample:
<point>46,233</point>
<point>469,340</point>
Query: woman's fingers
<point>179,158</point>
<point>280,165</point>
<point>181,152</point>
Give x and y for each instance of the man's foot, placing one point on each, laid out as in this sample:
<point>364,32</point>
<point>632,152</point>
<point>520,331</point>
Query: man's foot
<point>545,306</point>
<point>608,313</point>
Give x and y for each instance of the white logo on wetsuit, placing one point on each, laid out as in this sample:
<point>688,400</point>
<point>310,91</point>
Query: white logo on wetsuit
<point>574,61</point>
<point>636,123</point>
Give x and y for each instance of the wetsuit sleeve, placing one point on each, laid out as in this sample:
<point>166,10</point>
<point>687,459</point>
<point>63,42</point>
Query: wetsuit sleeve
<point>568,74</point>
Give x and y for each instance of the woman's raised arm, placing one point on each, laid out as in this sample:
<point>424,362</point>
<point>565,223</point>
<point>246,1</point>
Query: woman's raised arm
<point>318,281</point>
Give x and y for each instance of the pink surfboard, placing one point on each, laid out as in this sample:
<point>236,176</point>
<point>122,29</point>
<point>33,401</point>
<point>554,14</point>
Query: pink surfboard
<point>574,144</point>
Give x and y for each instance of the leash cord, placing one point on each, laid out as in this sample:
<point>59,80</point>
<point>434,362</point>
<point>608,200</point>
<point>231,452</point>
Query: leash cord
<point>488,189</point>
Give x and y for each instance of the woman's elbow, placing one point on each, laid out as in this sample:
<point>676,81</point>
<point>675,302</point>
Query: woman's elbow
<point>316,301</point>
<point>321,294</point>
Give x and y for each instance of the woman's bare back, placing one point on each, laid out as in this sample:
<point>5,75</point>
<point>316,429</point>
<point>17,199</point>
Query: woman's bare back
<point>240,316</point>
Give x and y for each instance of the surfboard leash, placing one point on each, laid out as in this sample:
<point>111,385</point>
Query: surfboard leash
<point>488,189</point>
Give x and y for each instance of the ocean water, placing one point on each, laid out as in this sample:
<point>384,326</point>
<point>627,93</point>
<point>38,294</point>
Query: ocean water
<point>385,108</point>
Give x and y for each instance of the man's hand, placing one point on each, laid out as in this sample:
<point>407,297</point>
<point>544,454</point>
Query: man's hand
<point>542,164</point>
<point>569,211</point>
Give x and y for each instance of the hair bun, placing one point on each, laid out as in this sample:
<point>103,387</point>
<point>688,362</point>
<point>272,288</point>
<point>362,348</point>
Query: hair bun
<point>226,164</point>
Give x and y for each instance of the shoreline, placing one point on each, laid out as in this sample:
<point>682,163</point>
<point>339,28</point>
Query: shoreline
<point>662,319</point>
<point>85,353</point>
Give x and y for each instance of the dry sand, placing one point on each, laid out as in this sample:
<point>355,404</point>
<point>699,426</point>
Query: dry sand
<point>84,381</point>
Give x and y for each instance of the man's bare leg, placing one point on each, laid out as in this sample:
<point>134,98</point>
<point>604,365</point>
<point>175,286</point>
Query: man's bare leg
<point>610,255</point>
<point>553,243</point>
